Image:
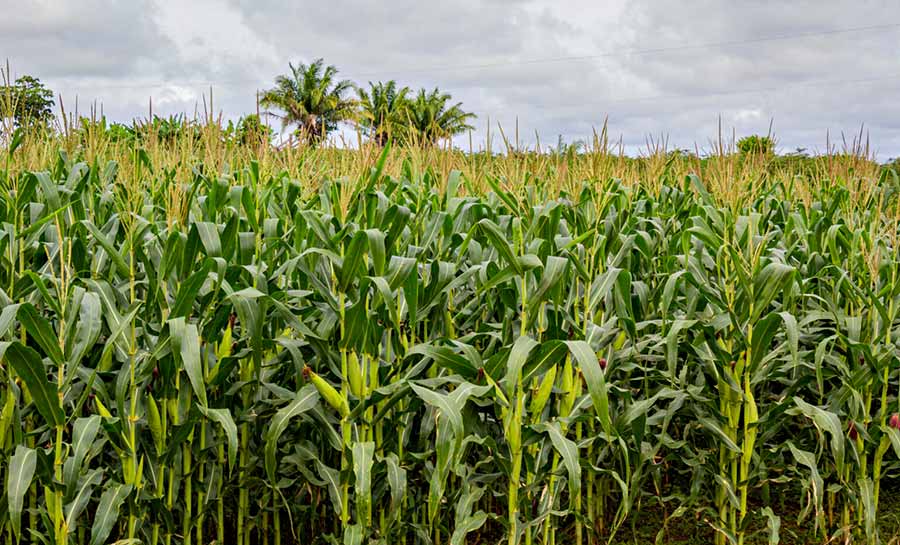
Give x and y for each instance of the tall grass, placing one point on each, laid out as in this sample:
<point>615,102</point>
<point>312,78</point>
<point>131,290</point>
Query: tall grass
<point>207,341</point>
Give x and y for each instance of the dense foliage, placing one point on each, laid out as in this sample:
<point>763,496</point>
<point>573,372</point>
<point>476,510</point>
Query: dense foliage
<point>432,117</point>
<point>384,111</point>
<point>27,101</point>
<point>388,113</point>
<point>222,351</point>
<point>313,100</point>
<point>310,98</point>
<point>756,145</point>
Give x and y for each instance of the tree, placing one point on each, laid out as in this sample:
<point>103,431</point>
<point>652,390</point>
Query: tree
<point>249,131</point>
<point>311,98</point>
<point>384,110</point>
<point>756,145</point>
<point>252,131</point>
<point>430,118</point>
<point>27,101</point>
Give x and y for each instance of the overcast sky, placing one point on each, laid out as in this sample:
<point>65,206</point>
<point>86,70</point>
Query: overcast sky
<point>668,67</point>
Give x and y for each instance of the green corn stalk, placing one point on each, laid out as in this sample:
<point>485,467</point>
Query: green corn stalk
<point>734,307</point>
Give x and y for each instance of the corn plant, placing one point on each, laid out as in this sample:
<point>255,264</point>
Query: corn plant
<point>220,350</point>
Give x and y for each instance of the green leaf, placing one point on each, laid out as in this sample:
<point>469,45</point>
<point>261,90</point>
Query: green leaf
<point>443,404</point>
<point>773,524</point>
<point>763,333</point>
<point>498,240</point>
<point>377,251</point>
<point>465,521</point>
<point>554,270</point>
<point>83,435</point>
<point>40,330</point>
<point>109,248</point>
<point>81,496</point>
<point>445,357</point>
<point>108,512</point>
<point>375,174</point>
<point>518,355</point>
<point>187,292</point>
<point>362,469</point>
<point>569,452</point>
<point>354,534</point>
<point>88,327</point>
<point>772,280</point>
<point>396,480</point>
<point>467,526</point>
<point>817,484</point>
<point>445,446</point>
<point>894,436</point>
<point>224,419</point>
<point>453,180</point>
<point>186,346</point>
<point>508,198</point>
<point>672,344</point>
<point>829,422</point>
<point>18,479</point>
<point>353,260</point>
<point>595,378</point>
<point>332,478</point>
<point>867,501</point>
<point>209,237</point>
<point>306,399</point>
<point>30,368</point>
<point>714,427</point>
<point>8,318</point>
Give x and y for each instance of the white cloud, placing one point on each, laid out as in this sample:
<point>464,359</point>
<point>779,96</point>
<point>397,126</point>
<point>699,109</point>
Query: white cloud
<point>653,67</point>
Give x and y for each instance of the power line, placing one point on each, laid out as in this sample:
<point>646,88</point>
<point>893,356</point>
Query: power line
<point>639,52</point>
<point>730,92</point>
<point>523,62</point>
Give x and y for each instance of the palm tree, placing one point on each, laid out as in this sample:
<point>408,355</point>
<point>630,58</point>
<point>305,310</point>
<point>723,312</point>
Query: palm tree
<point>311,98</point>
<point>430,118</point>
<point>384,110</point>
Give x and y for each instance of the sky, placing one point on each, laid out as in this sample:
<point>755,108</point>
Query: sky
<point>674,70</point>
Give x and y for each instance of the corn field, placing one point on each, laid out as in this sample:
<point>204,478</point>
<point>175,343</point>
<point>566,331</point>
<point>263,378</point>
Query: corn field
<point>221,353</point>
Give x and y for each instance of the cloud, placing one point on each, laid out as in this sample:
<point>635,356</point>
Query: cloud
<point>90,38</point>
<point>558,68</point>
